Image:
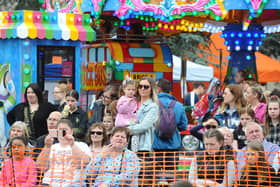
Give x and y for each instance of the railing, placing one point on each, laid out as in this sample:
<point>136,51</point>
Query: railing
<point>61,168</point>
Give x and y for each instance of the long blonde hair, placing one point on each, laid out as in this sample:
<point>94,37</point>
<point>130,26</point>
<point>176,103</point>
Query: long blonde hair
<point>261,165</point>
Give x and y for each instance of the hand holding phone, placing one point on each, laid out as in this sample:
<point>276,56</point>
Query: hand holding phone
<point>53,133</point>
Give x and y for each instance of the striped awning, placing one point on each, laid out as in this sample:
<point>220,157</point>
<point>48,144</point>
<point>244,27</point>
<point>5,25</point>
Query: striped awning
<point>45,25</point>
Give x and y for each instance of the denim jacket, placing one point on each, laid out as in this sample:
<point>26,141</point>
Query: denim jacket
<point>147,114</point>
<point>229,118</point>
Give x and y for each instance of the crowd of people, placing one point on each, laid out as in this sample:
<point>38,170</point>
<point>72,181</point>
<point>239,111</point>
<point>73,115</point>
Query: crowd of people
<point>124,141</point>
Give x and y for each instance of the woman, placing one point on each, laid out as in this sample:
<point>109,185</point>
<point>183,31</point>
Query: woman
<point>96,137</point>
<point>208,122</point>
<point>117,165</point>
<point>233,102</point>
<point>212,167</point>
<point>256,100</point>
<point>63,162</point>
<point>77,116</point>
<point>111,93</point>
<point>19,128</point>
<point>147,114</point>
<point>257,171</point>
<point>59,95</point>
<point>34,112</point>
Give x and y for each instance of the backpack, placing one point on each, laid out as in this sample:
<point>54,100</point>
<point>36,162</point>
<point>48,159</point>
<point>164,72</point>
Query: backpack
<point>167,125</point>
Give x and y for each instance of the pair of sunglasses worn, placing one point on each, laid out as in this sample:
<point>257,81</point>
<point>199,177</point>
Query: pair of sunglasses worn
<point>210,126</point>
<point>140,86</point>
<point>96,132</point>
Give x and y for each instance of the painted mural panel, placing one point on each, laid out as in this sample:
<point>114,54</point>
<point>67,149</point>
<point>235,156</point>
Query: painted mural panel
<point>7,98</point>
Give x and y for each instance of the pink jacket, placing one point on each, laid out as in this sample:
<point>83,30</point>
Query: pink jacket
<point>260,112</point>
<point>25,173</point>
<point>126,111</point>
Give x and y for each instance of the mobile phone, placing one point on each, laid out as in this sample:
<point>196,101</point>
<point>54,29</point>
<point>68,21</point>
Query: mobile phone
<point>63,132</point>
<point>53,133</point>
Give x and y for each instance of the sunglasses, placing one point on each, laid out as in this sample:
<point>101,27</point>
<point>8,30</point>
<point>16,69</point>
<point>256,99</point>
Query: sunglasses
<point>140,86</point>
<point>96,132</point>
<point>211,127</point>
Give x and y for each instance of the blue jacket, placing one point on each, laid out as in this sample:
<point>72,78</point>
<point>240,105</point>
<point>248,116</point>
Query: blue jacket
<point>147,114</point>
<point>181,120</point>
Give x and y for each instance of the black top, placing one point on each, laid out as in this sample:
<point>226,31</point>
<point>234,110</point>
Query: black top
<point>253,178</point>
<point>39,122</point>
<point>79,120</point>
<point>98,113</point>
<point>239,135</point>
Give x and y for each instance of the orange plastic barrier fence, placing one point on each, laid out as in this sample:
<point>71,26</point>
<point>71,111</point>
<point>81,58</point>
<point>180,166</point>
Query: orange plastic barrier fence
<point>35,167</point>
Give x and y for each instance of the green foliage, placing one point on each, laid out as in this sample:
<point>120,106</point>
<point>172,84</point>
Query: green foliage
<point>271,45</point>
<point>189,45</point>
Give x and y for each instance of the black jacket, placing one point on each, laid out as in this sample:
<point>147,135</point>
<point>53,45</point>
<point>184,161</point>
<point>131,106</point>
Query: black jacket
<point>39,122</point>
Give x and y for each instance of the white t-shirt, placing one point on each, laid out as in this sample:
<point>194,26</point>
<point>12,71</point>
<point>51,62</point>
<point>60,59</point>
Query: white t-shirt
<point>62,171</point>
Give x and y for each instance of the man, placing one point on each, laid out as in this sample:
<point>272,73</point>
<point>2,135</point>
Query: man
<point>52,120</point>
<point>172,144</point>
<point>193,97</point>
<point>254,132</point>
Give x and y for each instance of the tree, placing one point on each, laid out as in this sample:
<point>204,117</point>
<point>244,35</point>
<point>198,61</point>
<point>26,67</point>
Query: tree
<point>271,45</point>
<point>9,5</point>
<point>189,45</point>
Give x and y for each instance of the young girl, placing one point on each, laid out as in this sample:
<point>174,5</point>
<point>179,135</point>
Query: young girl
<point>19,170</point>
<point>257,171</point>
<point>108,123</point>
<point>272,123</point>
<point>127,105</point>
<point>246,115</point>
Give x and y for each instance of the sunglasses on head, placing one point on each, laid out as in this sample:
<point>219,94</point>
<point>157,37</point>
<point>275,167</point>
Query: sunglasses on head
<point>210,126</point>
<point>140,86</point>
<point>96,132</point>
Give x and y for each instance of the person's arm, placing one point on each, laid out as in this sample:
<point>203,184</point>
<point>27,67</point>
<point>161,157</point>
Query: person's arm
<point>81,158</point>
<point>195,133</point>
<point>124,105</point>
<point>148,121</point>
<point>183,121</point>
<point>129,172</point>
<point>11,116</point>
<point>231,175</point>
<point>43,159</point>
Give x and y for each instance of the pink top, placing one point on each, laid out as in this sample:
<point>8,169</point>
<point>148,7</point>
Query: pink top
<point>260,112</point>
<point>126,111</point>
<point>25,173</point>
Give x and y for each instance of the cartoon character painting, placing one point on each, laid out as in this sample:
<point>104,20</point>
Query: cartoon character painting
<point>7,97</point>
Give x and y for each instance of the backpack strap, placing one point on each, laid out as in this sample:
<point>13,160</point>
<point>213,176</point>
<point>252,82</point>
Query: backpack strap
<point>172,104</point>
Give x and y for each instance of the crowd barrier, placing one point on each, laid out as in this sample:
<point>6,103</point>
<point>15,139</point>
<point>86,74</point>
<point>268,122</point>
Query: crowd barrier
<point>141,169</point>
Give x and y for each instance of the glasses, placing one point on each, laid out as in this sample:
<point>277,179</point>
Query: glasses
<point>211,127</point>
<point>96,132</point>
<point>140,86</point>
<point>52,119</point>
<point>57,92</point>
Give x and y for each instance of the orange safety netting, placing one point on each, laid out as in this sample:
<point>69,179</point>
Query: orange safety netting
<point>225,168</point>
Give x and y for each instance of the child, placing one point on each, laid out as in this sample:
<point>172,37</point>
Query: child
<point>127,107</point>
<point>272,123</point>
<point>19,170</point>
<point>246,115</point>
<point>257,171</point>
<point>108,123</point>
